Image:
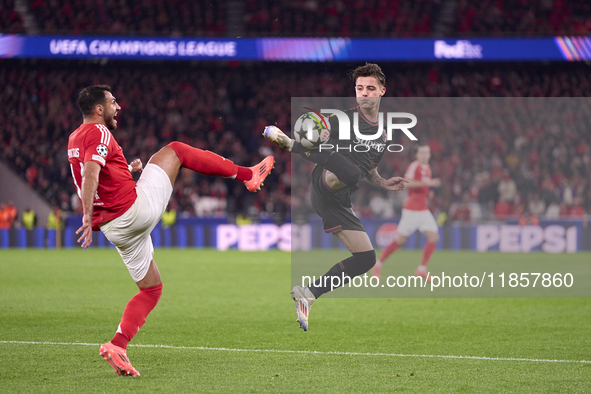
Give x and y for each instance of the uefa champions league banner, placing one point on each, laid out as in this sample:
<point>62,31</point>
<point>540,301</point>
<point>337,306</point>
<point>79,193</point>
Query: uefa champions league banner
<point>296,49</point>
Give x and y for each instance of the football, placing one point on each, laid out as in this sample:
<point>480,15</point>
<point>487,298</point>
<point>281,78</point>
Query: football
<point>311,129</point>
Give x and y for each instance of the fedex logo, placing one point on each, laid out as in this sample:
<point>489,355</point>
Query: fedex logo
<point>462,49</point>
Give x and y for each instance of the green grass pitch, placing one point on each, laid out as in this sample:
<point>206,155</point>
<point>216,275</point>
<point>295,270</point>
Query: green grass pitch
<point>240,301</point>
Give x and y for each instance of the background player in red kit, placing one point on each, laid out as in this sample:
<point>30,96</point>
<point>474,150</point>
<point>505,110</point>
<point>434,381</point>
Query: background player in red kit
<point>127,212</point>
<point>415,212</point>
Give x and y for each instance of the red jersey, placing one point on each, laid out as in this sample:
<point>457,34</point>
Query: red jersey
<point>116,188</point>
<point>417,196</point>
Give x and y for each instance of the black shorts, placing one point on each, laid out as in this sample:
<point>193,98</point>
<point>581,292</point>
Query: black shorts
<point>335,215</point>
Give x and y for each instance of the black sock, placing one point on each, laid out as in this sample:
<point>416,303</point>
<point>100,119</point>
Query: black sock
<point>359,263</point>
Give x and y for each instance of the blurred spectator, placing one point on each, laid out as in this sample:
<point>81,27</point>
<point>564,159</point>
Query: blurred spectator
<point>169,216</point>
<point>462,212</point>
<point>242,219</point>
<point>29,219</point>
<point>380,206</point>
<point>11,213</point>
<point>536,206</point>
<point>54,219</point>
<point>507,189</point>
<point>442,219</point>
<point>503,209</point>
<point>553,211</point>
<point>576,210</point>
<point>529,219</point>
<point>4,217</point>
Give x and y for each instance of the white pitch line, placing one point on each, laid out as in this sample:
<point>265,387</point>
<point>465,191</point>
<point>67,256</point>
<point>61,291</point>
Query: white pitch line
<point>310,352</point>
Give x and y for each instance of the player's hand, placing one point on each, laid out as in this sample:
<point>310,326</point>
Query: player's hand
<point>136,166</point>
<point>86,229</point>
<point>395,183</point>
<point>435,182</point>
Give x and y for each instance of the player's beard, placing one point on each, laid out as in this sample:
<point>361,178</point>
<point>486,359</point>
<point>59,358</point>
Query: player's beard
<point>110,122</point>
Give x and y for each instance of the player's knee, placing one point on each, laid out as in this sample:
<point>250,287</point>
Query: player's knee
<point>178,147</point>
<point>362,262</point>
<point>349,175</point>
<point>432,237</point>
<point>346,171</point>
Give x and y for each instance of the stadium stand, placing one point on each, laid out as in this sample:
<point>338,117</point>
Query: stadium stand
<point>10,20</point>
<point>146,17</point>
<point>224,109</point>
<point>522,18</point>
<point>341,18</point>
<point>305,18</point>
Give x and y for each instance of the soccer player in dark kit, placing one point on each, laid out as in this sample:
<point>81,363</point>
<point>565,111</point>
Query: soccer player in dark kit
<point>335,176</point>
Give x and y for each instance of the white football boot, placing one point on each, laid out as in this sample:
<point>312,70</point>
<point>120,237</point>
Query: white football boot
<point>303,298</point>
<point>275,135</point>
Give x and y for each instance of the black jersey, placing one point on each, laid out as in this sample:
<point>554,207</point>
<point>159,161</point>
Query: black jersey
<point>358,155</point>
<point>364,154</point>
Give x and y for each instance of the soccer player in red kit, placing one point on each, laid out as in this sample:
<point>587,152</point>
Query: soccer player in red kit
<point>415,212</point>
<point>127,212</point>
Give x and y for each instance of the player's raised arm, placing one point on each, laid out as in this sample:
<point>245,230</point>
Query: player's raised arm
<point>90,180</point>
<point>394,183</point>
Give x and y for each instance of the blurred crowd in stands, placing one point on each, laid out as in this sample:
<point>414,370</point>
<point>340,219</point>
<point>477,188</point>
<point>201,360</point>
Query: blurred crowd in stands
<point>211,109</point>
<point>128,17</point>
<point>503,166</point>
<point>10,20</point>
<point>418,18</point>
<point>346,18</point>
<point>501,158</point>
<point>499,18</point>
<point>304,18</point>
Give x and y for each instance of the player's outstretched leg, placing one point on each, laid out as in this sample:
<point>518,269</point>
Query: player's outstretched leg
<point>303,298</point>
<point>346,171</point>
<point>275,135</point>
<point>117,357</point>
<point>134,316</point>
<point>209,163</point>
<point>358,264</point>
